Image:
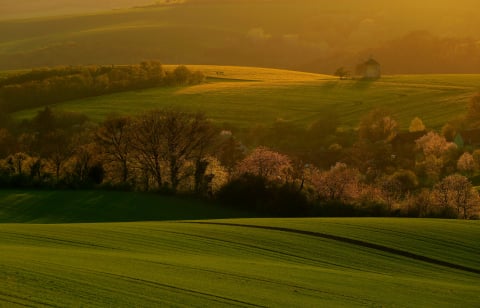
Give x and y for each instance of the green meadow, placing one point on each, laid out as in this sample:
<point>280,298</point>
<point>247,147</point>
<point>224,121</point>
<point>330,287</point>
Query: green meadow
<point>241,262</point>
<point>245,96</point>
<point>190,256</point>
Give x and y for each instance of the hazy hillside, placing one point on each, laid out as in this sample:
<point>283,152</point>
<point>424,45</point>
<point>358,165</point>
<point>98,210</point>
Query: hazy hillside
<point>308,35</point>
<point>37,8</point>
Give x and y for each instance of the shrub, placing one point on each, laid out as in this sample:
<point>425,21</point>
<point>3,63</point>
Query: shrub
<point>256,193</point>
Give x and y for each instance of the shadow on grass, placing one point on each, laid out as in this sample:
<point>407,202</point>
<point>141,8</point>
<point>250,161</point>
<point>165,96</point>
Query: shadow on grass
<point>355,242</point>
<point>42,206</point>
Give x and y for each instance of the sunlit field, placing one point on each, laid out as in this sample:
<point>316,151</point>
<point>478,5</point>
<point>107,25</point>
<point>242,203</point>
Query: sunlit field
<point>287,262</point>
<point>245,96</point>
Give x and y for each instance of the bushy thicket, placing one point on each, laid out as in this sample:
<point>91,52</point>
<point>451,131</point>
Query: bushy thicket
<point>257,193</point>
<point>380,171</point>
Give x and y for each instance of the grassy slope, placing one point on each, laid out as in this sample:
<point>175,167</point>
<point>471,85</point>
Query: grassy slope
<point>178,263</point>
<point>245,96</point>
<point>35,8</point>
<point>302,31</point>
<point>102,206</point>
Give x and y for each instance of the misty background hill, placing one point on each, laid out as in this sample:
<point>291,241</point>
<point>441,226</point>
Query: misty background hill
<point>39,8</point>
<point>319,36</point>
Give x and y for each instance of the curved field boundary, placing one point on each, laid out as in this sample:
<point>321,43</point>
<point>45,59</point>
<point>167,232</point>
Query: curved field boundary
<point>360,243</point>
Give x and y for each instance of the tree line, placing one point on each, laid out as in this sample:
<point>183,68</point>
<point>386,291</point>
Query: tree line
<point>45,86</point>
<point>376,170</point>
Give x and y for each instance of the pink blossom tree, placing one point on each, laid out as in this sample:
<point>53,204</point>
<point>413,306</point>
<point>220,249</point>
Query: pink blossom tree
<point>266,163</point>
<point>337,184</point>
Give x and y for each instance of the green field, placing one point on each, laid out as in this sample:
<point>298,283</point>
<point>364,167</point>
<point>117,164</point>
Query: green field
<point>245,96</point>
<point>287,262</point>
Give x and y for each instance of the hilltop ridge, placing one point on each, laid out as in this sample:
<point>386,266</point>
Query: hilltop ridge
<point>305,35</point>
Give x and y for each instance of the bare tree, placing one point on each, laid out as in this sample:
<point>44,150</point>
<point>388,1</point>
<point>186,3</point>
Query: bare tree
<point>18,159</point>
<point>186,138</point>
<point>146,140</point>
<point>166,141</point>
<point>85,156</point>
<point>114,137</point>
<point>57,148</point>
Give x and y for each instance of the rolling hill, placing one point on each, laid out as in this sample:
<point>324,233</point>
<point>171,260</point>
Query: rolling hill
<point>303,35</point>
<point>245,96</point>
<point>39,8</point>
<point>107,248</point>
<point>250,262</point>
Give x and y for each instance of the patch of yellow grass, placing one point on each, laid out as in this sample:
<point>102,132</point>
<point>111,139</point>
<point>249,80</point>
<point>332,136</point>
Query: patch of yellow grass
<point>255,73</point>
<point>221,87</point>
<point>236,78</point>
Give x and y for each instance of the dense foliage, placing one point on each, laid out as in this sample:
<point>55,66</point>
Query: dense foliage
<point>45,86</point>
<point>280,170</point>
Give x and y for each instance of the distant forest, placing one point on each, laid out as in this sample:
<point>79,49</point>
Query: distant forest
<point>45,86</point>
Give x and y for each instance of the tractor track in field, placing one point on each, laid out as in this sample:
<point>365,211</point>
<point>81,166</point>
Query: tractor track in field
<point>9,300</point>
<point>129,279</point>
<point>277,252</point>
<point>360,301</point>
<point>351,241</point>
<point>213,297</point>
<point>59,241</point>
<point>34,303</point>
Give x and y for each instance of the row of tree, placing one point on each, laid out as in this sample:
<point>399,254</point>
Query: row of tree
<point>180,152</point>
<point>40,87</point>
<point>156,150</point>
